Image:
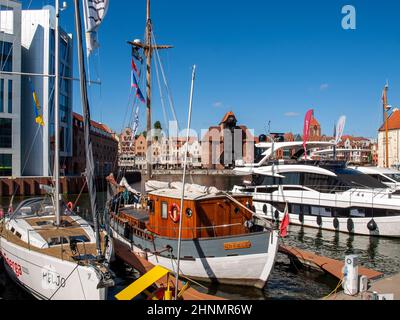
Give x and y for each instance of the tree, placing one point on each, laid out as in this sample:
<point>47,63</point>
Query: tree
<point>157,125</point>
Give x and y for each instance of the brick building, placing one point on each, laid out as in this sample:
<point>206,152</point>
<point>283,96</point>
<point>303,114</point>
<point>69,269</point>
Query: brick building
<point>226,143</point>
<point>105,148</point>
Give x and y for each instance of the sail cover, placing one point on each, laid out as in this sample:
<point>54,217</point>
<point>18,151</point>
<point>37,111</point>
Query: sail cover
<point>94,12</point>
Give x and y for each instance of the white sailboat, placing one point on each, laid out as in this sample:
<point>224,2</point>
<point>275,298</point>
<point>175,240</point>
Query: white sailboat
<point>47,249</point>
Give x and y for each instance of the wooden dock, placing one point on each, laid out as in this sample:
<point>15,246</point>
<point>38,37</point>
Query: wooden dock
<point>124,253</point>
<point>388,285</point>
<point>330,266</point>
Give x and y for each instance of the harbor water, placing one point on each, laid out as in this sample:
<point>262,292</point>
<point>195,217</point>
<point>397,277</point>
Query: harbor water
<point>286,281</point>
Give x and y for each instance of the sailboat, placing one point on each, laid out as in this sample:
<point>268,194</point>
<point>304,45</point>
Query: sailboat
<point>47,249</point>
<point>198,232</point>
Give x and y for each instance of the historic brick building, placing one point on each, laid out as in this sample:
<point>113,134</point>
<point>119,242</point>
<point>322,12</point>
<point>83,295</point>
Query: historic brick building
<point>226,143</point>
<point>105,148</point>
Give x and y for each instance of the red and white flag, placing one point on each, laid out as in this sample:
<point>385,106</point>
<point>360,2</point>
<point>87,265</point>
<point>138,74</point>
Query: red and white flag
<point>285,223</point>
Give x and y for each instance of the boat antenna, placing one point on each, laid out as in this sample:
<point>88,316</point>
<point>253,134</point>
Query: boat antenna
<point>184,181</point>
<point>86,124</point>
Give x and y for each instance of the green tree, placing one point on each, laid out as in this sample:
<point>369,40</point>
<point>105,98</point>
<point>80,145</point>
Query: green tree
<point>157,125</point>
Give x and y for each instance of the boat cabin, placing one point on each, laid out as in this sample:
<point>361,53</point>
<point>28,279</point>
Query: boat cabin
<point>203,215</point>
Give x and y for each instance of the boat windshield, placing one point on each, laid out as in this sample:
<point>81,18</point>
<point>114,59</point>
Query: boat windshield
<point>394,176</point>
<point>358,180</point>
<point>34,207</point>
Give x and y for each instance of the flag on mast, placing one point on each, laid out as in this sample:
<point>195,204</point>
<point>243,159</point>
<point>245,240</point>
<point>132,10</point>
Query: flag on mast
<point>285,223</point>
<point>306,131</point>
<point>339,131</point>
<point>94,12</point>
<point>134,84</point>
<point>37,108</point>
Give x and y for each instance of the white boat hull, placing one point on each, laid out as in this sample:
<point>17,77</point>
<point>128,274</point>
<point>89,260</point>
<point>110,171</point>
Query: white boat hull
<point>248,270</point>
<point>48,278</point>
<point>387,226</point>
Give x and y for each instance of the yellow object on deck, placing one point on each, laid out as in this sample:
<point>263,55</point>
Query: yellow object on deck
<point>142,283</point>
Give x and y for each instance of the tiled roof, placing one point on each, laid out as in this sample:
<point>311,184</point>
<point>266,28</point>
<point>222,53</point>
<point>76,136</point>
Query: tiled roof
<point>394,121</point>
<point>92,123</point>
<point>226,117</point>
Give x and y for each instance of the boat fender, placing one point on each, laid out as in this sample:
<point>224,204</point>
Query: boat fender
<point>336,223</point>
<point>301,218</point>
<point>175,213</point>
<point>265,209</point>
<point>350,225</point>
<point>319,221</point>
<point>372,226</point>
<point>70,206</point>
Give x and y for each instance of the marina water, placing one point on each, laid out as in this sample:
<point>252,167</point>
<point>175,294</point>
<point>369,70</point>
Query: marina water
<point>286,281</point>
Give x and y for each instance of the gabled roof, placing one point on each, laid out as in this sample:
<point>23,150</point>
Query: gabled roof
<point>227,116</point>
<point>94,124</point>
<point>394,121</point>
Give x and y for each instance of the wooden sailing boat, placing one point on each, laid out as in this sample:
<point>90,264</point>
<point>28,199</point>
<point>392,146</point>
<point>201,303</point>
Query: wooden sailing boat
<point>209,236</point>
<point>47,249</point>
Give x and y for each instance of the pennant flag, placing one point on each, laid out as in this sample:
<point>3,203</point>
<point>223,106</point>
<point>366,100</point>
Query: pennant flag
<point>94,12</point>
<point>136,54</point>
<point>135,85</point>
<point>37,108</point>
<point>135,68</point>
<point>285,223</point>
<point>339,129</point>
<point>135,127</point>
<point>306,132</point>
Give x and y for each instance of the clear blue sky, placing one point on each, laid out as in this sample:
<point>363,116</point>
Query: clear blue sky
<point>264,60</point>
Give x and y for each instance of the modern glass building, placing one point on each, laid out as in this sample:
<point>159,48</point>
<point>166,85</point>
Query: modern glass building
<point>38,56</point>
<point>10,88</point>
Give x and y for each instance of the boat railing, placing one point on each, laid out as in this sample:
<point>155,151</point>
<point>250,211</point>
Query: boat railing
<point>194,231</point>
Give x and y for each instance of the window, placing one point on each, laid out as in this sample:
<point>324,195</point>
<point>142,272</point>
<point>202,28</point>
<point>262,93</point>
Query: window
<point>164,210</point>
<point>1,95</point>
<point>5,165</point>
<point>5,133</point>
<point>6,19</point>
<point>10,96</point>
<point>6,56</point>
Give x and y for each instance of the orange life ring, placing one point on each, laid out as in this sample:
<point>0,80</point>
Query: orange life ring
<point>175,213</point>
<point>70,206</point>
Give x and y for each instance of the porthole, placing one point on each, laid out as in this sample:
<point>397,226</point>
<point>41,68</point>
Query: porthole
<point>189,213</point>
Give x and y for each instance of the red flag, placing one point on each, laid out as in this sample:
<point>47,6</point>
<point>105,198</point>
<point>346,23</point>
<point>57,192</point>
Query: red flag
<point>134,67</point>
<point>285,223</point>
<point>306,132</point>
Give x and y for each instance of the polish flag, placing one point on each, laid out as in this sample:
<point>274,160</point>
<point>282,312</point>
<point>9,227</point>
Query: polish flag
<point>285,223</point>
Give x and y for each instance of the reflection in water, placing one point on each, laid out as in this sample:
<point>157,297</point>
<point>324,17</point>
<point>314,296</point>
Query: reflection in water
<point>286,282</point>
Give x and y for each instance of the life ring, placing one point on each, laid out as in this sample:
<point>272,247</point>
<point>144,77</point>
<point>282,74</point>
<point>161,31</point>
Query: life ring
<point>70,206</point>
<point>175,213</point>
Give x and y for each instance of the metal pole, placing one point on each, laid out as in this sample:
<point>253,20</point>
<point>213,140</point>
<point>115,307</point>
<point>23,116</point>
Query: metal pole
<point>57,118</point>
<point>148,52</point>
<point>385,108</point>
<point>86,119</point>
<point>184,183</point>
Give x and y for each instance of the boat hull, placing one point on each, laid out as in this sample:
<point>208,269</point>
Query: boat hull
<point>386,226</point>
<point>209,261</point>
<point>48,278</point>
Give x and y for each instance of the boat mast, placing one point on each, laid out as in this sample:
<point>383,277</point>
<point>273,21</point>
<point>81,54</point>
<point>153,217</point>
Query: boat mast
<point>57,118</point>
<point>148,50</point>
<point>184,182</point>
<point>386,112</point>
<point>86,122</point>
